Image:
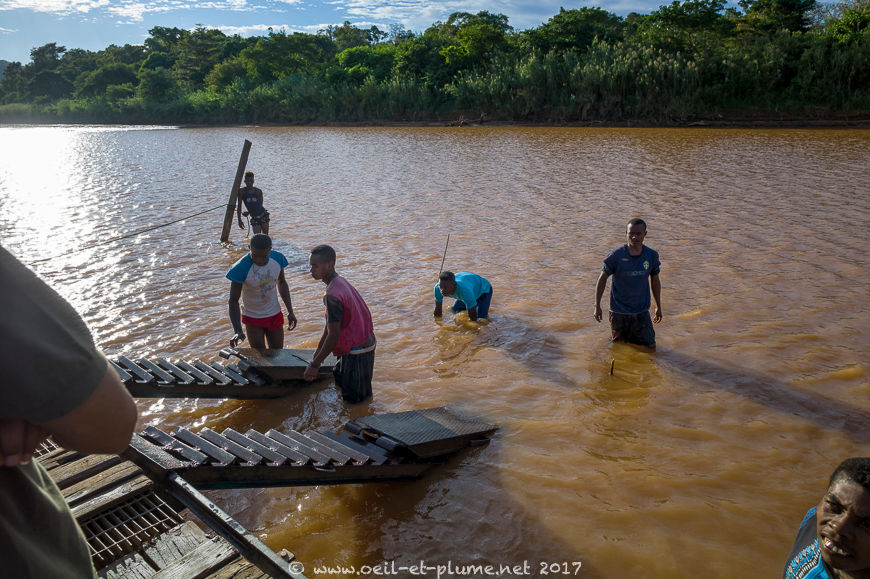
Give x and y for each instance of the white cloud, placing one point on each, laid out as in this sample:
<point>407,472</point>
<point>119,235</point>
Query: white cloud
<point>54,6</point>
<point>7,30</point>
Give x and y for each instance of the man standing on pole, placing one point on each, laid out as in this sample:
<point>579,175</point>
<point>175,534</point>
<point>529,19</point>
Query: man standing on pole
<point>635,269</point>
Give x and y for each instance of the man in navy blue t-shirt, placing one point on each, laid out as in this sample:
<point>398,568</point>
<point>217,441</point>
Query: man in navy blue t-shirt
<point>635,269</point>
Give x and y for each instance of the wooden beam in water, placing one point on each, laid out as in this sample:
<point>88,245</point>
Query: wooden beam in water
<point>234,192</point>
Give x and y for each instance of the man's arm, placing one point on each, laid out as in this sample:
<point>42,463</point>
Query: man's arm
<point>599,291</point>
<point>327,344</point>
<point>236,314</point>
<point>239,209</point>
<point>438,309</point>
<point>103,423</point>
<point>472,313</point>
<point>656,285</point>
<point>284,292</point>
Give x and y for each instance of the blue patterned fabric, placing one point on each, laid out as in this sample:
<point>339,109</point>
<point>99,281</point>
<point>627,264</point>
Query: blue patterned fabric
<point>805,560</point>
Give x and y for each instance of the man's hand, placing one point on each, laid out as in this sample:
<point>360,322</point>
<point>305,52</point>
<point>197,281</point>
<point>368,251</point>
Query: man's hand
<point>597,314</point>
<point>291,321</point>
<point>18,440</point>
<point>241,225</point>
<point>311,372</point>
<point>658,316</point>
<point>237,339</point>
<point>437,309</point>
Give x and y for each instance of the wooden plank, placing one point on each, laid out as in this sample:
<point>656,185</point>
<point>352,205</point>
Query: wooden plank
<point>59,458</point>
<point>174,544</point>
<point>85,467</point>
<point>221,378</point>
<point>237,378</point>
<point>237,449</point>
<point>122,374</point>
<point>200,562</point>
<point>202,378</point>
<point>181,376</point>
<point>313,455</point>
<point>321,448</point>
<point>274,458</point>
<point>377,454</point>
<point>252,548</point>
<point>283,364</point>
<point>356,456</point>
<point>256,381</point>
<point>94,485</point>
<point>142,376</point>
<point>164,378</point>
<point>169,443</point>
<point>238,569</point>
<point>132,566</point>
<point>121,493</point>
<point>297,457</point>
<point>221,456</point>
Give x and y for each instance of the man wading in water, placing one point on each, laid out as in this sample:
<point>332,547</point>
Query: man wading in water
<point>635,269</point>
<point>253,200</point>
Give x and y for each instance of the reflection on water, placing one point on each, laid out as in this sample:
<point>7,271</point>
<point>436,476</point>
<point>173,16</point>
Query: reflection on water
<point>666,467</point>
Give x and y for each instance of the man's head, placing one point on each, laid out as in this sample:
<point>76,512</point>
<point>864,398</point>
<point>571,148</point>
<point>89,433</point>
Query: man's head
<point>447,283</point>
<point>635,231</point>
<point>322,262</point>
<point>261,245</point>
<point>843,519</point>
<point>249,178</point>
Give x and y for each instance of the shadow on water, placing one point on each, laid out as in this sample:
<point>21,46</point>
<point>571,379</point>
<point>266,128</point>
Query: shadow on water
<point>815,408</point>
<point>539,351</point>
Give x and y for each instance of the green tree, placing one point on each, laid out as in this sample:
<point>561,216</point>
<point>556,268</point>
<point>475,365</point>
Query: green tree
<point>198,52</point>
<point>575,30</point>
<point>155,84</point>
<point>773,15</point>
<point>95,83</point>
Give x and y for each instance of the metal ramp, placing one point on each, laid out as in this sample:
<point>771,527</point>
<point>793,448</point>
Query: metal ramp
<point>385,447</point>
<point>255,374</point>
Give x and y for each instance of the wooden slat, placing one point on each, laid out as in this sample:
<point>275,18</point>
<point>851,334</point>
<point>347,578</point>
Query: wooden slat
<point>167,442</point>
<point>164,378</point>
<point>85,467</point>
<point>356,456</point>
<point>237,378</point>
<point>218,454</point>
<point>297,457</point>
<point>94,485</point>
<point>221,378</point>
<point>237,449</point>
<point>122,374</point>
<point>377,454</point>
<point>142,376</point>
<point>201,562</point>
<point>133,566</point>
<point>174,544</point>
<point>181,376</point>
<point>202,378</point>
<point>116,495</point>
<point>238,569</point>
<point>56,459</point>
<point>318,458</point>
<point>321,448</point>
<point>274,458</point>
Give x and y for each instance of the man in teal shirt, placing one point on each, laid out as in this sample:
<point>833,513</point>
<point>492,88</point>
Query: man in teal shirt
<point>471,291</point>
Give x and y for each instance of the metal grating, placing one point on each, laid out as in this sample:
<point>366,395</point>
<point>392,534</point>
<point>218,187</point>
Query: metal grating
<point>45,447</point>
<point>424,426</point>
<point>126,527</point>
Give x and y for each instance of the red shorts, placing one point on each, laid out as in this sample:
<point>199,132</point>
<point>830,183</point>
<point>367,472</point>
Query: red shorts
<point>271,323</point>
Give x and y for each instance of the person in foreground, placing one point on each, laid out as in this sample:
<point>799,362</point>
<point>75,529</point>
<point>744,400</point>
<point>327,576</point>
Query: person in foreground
<point>472,292</point>
<point>834,538</point>
<point>635,269</point>
<point>252,197</point>
<point>55,383</point>
<point>255,278</point>
<point>349,332</point>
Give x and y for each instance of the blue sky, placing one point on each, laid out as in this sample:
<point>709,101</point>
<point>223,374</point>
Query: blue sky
<point>95,24</point>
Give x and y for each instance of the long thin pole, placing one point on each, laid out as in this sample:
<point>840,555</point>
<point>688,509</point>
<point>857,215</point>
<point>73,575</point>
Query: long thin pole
<point>445,255</point>
<point>234,192</point>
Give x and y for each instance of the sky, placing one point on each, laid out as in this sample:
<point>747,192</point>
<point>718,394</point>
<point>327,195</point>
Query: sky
<point>95,24</point>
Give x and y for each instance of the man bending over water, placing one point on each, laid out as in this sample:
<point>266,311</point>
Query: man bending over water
<point>472,292</point>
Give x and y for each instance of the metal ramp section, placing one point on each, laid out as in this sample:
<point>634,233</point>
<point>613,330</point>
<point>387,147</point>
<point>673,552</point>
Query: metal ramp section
<point>364,452</point>
<point>255,374</point>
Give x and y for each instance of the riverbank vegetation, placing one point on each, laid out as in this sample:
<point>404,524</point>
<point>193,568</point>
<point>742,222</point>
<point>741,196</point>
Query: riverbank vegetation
<point>687,61</point>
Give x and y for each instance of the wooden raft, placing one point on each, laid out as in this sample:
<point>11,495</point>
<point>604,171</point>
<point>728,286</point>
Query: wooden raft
<point>254,374</point>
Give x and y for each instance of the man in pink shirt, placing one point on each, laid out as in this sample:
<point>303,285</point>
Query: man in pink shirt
<point>349,333</point>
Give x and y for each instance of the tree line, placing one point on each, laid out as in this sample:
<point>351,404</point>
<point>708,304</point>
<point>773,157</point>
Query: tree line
<point>688,60</point>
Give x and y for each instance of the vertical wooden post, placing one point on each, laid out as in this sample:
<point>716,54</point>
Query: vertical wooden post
<point>234,192</point>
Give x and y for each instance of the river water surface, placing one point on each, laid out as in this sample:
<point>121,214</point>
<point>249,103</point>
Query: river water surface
<point>698,460</point>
